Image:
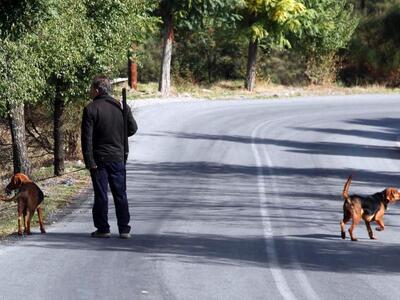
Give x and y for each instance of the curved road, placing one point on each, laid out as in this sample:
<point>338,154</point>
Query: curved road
<point>233,200</point>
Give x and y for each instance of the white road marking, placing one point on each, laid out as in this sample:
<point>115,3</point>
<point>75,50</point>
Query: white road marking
<point>277,274</point>
<point>398,142</point>
<point>279,279</point>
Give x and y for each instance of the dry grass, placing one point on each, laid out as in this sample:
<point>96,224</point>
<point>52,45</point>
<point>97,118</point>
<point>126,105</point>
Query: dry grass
<point>264,89</point>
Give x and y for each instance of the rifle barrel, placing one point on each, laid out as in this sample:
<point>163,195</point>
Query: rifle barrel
<point>125,115</point>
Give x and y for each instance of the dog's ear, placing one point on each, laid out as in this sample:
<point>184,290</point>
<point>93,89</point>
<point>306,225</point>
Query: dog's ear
<point>17,181</point>
<point>392,194</point>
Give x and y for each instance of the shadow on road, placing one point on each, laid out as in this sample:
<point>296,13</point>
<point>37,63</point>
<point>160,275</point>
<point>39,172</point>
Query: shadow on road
<point>227,195</point>
<point>296,146</point>
<point>388,130</point>
<point>315,252</point>
<point>169,176</point>
<point>385,129</point>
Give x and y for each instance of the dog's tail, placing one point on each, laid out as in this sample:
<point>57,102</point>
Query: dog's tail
<point>346,187</point>
<point>5,199</point>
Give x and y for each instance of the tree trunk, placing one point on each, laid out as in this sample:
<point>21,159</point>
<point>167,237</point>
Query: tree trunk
<point>72,144</point>
<point>132,68</point>
<point>58,131</point>
<point>165,74</point>
<point>210,66</point>
<point>20,150</point>
<point>132,74</point>
<point>251,65</point>
<point>362,5</point>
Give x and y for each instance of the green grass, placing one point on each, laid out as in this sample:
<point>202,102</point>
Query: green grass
<point>59,191</point>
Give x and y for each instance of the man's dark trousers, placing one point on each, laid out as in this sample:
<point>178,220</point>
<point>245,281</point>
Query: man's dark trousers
<point>112,173</point>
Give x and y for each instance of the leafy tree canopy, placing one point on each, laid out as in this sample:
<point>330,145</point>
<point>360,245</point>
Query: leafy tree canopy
<point>331,27</point>
<point>20,77</point>
<point>271,20</point>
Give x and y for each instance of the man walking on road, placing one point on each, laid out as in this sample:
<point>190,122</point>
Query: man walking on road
<point>102,138</point>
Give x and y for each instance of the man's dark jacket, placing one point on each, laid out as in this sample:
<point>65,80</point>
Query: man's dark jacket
<point>102,132</point>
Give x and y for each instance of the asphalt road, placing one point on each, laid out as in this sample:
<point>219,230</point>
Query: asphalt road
<point>232,200</point>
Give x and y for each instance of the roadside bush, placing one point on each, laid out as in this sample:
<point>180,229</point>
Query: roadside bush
<point>373,56</point>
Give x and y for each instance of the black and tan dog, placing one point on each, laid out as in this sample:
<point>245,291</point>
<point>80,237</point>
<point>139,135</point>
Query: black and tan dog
<point>29,197</point>
<point>369,208</point>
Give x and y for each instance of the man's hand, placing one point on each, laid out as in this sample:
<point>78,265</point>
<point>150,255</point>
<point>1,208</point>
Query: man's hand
<point>93,170</point>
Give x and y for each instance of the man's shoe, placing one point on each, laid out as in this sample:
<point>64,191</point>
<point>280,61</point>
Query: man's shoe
<point>97,234</point>
<point>125,236</point>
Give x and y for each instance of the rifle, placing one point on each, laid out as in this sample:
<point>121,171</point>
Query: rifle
<point>125,116</point>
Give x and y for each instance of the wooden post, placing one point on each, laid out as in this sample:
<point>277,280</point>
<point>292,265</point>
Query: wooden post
<point>132,74</point>
<point>132,69</point>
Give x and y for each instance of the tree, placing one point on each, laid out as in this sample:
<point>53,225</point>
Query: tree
<point>77,44</point>
<point>190,14</point>
<point>64,40</point>
<point>20,79</point>
<point>167,9</point>
<point>268,22</point>
<point>330,30</point>
<point>211,53</point>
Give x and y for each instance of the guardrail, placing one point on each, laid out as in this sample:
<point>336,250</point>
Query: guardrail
<point>119,80</point>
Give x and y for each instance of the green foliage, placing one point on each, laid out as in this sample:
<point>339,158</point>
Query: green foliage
<point>215,51</point>
<point>331,28</point>
<point>373,55</point>
<point>149,60</point>
<point>44,41</point>
<point>282,66</point>
<point>92,38</point>
<point>209,55</point>
<point>114,26</point>
<point>18,18</point>
<point>270,21</point>
<point>193,15</point>
<point>64,42</point>
<point>20,76</point>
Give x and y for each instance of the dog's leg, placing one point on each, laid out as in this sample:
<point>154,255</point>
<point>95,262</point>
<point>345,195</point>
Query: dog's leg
<point>381,225</point>
<point>20,218</point>
<point>342,225</point>
<point>369,229</point>
<point>24,220</point>
<point>40,217</point>
<point>28,218</point>
<point>356,220</point>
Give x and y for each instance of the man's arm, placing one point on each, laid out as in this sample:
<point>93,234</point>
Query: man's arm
<point>87,139</point>
<point>132,125</point>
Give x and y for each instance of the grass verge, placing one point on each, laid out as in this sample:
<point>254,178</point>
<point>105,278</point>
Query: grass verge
<point>264,89</point>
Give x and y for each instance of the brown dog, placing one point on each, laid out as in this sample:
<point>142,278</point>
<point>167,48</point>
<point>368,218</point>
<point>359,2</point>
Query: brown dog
<point>29,197</point>
<point>369,208</point>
